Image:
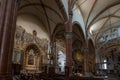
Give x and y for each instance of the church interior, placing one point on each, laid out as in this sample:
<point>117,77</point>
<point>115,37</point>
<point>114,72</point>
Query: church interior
<point>59,40</point>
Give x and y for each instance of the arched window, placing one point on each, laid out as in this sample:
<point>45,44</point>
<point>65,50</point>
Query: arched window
<point>61,60</point>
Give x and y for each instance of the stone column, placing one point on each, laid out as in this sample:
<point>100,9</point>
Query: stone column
<point>8,11</point>
<point>68,37</point>
<point>86,51</point>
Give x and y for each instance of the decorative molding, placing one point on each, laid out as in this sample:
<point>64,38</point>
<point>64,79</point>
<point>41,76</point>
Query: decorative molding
<point>68,35</point>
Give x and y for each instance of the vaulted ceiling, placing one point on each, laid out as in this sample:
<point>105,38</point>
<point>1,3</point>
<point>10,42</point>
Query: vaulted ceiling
<point>46,11</point>
<point>99,15</point>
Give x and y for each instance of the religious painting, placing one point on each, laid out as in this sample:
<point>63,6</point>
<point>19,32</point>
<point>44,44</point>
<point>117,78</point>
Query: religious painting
<point>78,56</point>
<point>31,57</point>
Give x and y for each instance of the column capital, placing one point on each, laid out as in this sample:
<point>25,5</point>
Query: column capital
<point>68,35</point>
<point>71,13</point>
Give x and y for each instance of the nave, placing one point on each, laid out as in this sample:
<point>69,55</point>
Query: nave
<point>59,39</point>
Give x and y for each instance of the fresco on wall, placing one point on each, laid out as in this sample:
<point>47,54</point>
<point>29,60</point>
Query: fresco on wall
<point>22,40</point>
<point>17,56</point>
